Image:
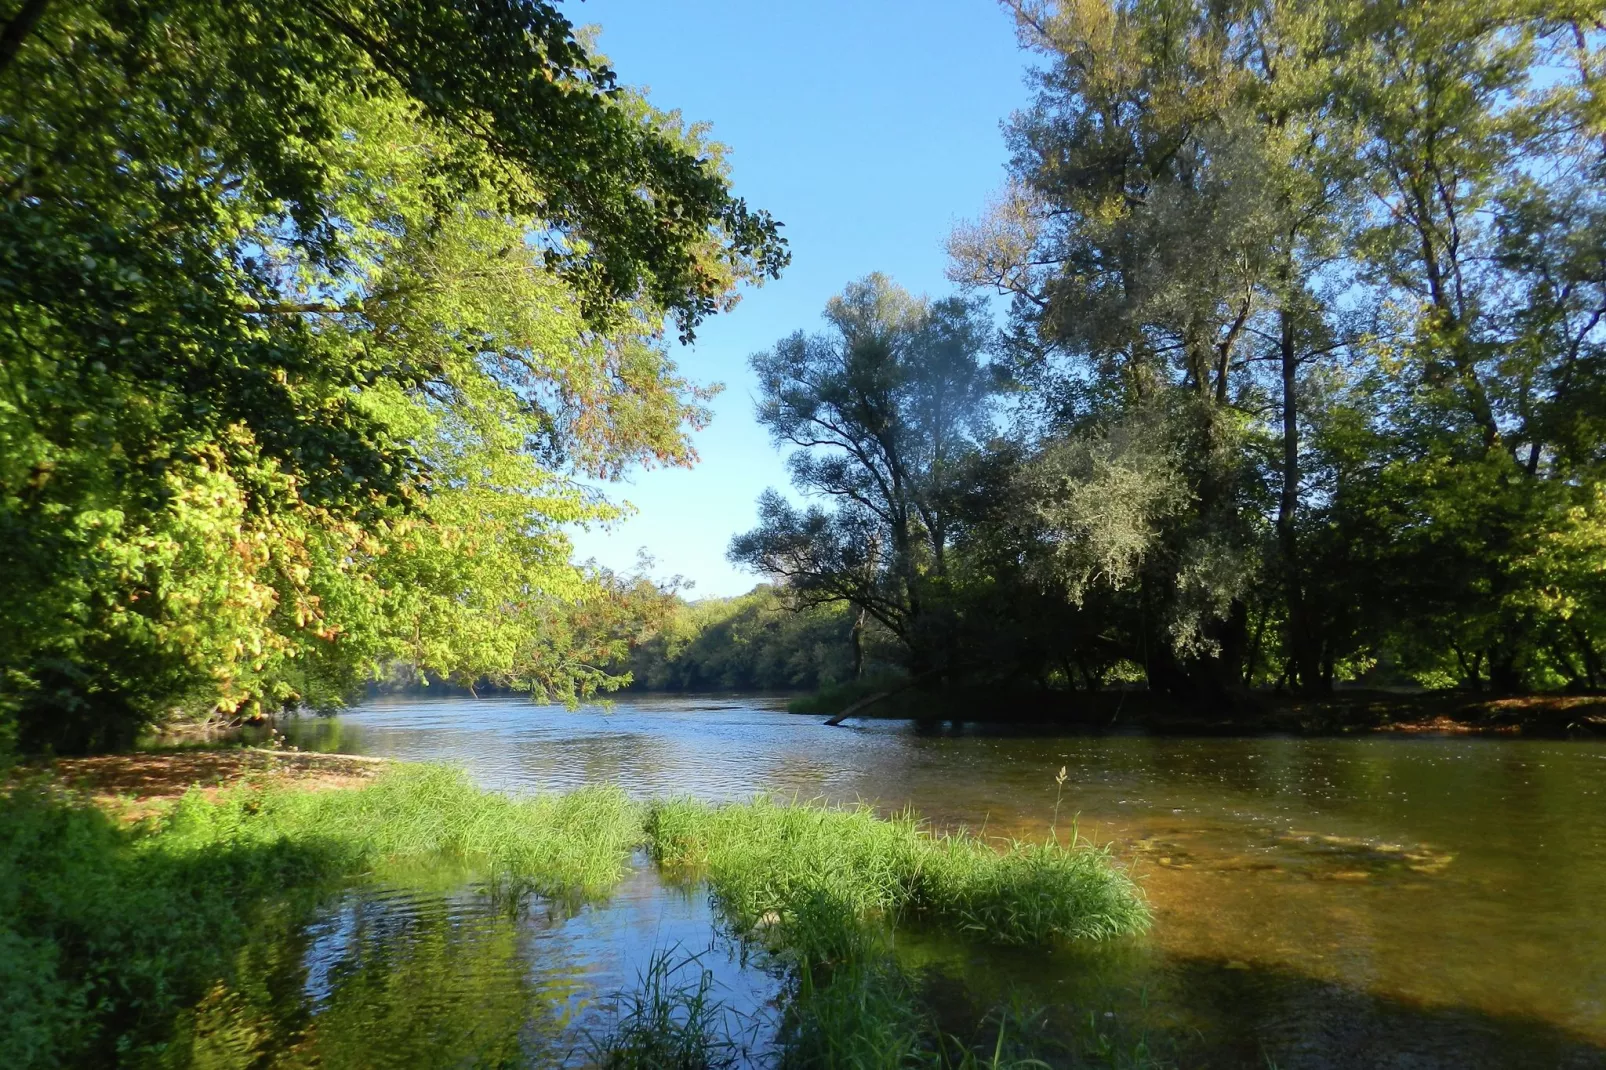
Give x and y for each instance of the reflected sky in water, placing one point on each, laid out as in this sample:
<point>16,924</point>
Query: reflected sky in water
<point>1358,902</point>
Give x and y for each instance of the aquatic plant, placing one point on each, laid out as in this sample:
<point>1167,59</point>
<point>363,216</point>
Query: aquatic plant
<point>763,859</point>
<point>666,1022</point>
<point>818,889</point>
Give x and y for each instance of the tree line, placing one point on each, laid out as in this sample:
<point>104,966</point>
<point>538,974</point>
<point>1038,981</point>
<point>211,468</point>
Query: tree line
<point>1302,379</point>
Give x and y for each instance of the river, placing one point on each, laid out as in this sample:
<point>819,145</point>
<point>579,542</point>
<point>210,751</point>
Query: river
<point>1356,902</point>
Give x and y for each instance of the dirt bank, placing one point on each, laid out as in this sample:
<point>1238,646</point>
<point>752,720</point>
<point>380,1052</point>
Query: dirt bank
<point>134,785</point>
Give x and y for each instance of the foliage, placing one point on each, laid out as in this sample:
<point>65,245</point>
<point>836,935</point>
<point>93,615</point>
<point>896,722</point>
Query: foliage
<point>754,642</point>
<point>1305,345</point>
<point>885,411</point>
<point>310,313</point>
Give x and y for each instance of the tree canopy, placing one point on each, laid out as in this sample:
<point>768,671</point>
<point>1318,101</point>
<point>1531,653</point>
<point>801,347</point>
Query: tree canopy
<point>311,312</point>
<point>1304,357</point>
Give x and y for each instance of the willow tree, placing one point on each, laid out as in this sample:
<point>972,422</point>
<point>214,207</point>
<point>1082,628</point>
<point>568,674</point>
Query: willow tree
<point>1343,258</point>
<point>1144,250</point>
<point>311,311</point>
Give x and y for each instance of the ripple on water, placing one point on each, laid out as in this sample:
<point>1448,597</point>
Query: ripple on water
<point>1326,902</point>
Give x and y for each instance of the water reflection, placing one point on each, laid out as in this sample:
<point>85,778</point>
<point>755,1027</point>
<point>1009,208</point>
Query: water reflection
<point>1423,902</point>
<point>424,970</point>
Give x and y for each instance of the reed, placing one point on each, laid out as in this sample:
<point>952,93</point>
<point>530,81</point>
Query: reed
<point>668,1022</point>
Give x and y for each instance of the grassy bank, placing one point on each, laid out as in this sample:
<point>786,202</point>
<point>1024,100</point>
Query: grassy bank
<point>110,929</point>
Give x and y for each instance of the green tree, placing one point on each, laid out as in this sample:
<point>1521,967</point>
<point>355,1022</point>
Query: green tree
<point>1337,266</point>
<point>883,411</point>
<point>754,642</point>
<point>309,311</point>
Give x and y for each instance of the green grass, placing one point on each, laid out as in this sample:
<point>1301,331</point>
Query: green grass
<point>556,845</point>
<point>763,859</point>
<point>821,890</point>
<point>106,931</point>
<point>667,1022</point>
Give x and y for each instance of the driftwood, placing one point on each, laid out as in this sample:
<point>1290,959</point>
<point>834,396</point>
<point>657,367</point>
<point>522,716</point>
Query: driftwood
<point>865,703</point>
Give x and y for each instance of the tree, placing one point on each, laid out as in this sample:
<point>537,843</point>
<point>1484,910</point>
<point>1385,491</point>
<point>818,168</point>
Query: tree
<point>307,313</point>
<point>884,411</point>
<point>1140,245</point>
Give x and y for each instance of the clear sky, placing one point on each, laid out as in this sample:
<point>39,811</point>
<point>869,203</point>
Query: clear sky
<point>867,127</point>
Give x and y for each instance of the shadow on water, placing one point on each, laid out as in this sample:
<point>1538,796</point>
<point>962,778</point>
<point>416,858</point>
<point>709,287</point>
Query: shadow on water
<point>1259,1016</point>
<point>433,972</point>
<point>1209,1013</point>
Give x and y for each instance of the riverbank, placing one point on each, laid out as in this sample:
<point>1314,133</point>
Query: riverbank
<point>112,929</point>
<point>136,785</point>
<point>1341,713</point>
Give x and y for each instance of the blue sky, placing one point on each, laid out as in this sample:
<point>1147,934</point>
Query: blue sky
<point>868,129</point>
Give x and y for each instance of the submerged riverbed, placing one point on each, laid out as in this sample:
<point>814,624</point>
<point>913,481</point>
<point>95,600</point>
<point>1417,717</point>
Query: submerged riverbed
<point>1318,902</point>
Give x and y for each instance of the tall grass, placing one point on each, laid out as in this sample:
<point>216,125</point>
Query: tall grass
<point>762,859</point>
<point>819,888</point>
<point>107,931</point>
<point>668,1022</point>
<point>573,844</point>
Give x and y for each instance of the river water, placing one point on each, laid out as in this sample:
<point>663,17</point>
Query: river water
<point>1358,902</point>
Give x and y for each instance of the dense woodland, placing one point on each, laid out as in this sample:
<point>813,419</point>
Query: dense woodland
<point>317,317</point>
<point>1302,379</point>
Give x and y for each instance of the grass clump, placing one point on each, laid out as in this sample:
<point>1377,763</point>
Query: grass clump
<point>819,888</point>
<point>668,1022</point>
<point>763,859</point>
<point>107,930</point>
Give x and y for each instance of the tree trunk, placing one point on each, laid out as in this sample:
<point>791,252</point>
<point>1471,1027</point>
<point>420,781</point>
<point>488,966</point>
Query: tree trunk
<point>858,646</point>
<point>1304,664</point>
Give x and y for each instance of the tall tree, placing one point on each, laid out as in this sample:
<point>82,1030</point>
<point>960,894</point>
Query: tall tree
<point>307,313</point>
<point>882,412</point>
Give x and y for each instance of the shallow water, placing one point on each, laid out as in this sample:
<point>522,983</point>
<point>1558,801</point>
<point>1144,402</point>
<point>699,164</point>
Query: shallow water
<point>1409,902</point>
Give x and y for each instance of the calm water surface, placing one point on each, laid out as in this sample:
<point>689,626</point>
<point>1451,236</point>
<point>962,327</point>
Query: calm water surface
<point>1376,902</point>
